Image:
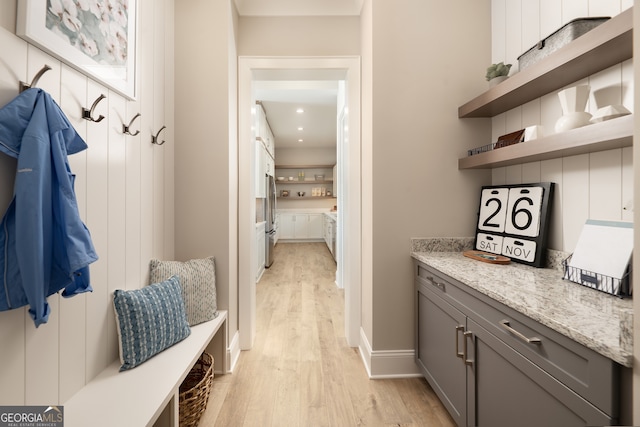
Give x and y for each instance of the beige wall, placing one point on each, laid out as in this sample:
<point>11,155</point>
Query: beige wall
<point>124,187</point>
<point>422,68</point>
<point>206,158</point>
<point>298,36</point>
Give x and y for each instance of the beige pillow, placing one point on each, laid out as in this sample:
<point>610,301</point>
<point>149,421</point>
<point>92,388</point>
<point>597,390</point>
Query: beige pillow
<point>198,281</point>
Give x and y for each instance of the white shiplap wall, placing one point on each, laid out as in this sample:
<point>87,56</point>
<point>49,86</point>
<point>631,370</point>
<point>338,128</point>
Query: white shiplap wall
<point>594,185</point>
<point>124,187</point>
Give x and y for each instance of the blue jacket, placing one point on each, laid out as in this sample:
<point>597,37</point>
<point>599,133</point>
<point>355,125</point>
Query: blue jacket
<point>44,245</point>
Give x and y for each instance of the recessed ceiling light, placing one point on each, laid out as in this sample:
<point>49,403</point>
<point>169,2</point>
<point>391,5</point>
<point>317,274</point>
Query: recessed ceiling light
<point>300,128</point>
<point>300,111</point>
<point>300,140</point>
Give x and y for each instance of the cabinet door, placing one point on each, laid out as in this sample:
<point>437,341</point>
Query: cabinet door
<point>507,389</point>
<point>439,347</point>
<point>327,224</point>
<point>301,226</point>
<point>270,165</point>
<point>260,246</point>
<point>286,229</point>
<point>261,183</point>
<point>314,226</point>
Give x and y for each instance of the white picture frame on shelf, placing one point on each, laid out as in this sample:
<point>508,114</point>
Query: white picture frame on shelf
<point>98,41</point>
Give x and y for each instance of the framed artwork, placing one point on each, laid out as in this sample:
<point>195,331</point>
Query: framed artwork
<point>97,37</point>
<point>513,220</point>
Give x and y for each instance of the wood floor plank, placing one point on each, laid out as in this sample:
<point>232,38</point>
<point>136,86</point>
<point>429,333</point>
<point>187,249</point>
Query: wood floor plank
<point>301,371</point>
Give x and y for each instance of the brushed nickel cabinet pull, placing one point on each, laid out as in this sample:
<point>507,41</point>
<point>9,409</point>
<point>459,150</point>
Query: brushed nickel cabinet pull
<point>532,340</point>
<point>467,361</point>
<point>458,353</point>
<point>439,285</point>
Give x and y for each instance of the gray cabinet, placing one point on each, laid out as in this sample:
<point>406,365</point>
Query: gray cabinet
<point>492,366</point>
<point>438,352</point>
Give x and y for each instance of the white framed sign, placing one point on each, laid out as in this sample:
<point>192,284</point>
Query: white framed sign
<point>98,38</point>
<point>513,221</point>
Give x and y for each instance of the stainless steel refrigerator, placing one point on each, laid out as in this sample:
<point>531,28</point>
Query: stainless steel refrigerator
<point>270,218</point>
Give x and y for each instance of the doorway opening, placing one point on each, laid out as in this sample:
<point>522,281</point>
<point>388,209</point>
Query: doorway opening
<point>347,70</point>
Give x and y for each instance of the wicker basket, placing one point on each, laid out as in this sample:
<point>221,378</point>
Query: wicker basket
<point>194,391</point>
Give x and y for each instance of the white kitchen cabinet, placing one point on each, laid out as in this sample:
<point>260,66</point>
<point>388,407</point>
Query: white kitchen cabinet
<point>314,226</point>
<point>260,246</point>
<point>287,224</point>
<point>330,233</point>
<point>261,170</point>
<point>270,168</point>
<point>263,130</point>
<point>301,226</point>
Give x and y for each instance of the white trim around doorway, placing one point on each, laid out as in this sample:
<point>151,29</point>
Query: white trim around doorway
<point>349,201</point>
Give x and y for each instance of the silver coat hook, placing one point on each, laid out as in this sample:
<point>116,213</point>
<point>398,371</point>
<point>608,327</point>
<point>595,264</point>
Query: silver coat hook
<point>154,138</point>
<point>24,86</point>
<point>88,114</point>
<point>125,128</point>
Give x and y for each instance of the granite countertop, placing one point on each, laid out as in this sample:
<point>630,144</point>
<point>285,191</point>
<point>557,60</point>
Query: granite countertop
<point>333,215</point>
<point>592,318</point>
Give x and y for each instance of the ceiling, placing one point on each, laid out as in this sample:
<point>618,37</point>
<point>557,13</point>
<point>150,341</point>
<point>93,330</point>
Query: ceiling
<point>282,92</point>
<point>318,99</point>
<point>298,7</point>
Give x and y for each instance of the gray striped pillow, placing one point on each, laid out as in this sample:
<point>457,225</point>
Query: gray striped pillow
<point>198,281</point>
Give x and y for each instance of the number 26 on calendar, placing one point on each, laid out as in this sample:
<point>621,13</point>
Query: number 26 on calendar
<point>514,211</point>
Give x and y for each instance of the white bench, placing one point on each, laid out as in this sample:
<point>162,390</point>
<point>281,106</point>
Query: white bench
<point>149,392</point>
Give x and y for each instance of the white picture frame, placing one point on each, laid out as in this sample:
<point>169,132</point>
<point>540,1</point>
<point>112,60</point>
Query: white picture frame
<point>100,41</point>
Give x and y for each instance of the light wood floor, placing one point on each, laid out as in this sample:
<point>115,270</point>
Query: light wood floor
<point>301,372</point>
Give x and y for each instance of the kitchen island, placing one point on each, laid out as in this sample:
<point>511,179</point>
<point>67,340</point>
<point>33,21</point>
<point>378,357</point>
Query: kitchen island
<point>513,339</point>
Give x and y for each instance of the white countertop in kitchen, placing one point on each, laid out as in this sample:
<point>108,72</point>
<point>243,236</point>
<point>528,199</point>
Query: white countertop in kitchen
<point>597,320</point>
<point>332,214</point>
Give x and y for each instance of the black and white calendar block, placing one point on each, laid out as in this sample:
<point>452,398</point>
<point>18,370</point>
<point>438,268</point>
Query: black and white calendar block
<point>513,221</point>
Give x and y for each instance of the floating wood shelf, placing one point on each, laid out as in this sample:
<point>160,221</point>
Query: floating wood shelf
<point>616,133</point>
<point>283,182</point>
<point>297,198</point>
<point>606,45</point>
<point>304,166</point>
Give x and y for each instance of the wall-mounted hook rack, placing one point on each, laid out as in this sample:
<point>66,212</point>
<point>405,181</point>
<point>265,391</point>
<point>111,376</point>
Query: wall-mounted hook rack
<point>154,138</point>
<point>24,86</point>
<point>88,114</point>
<point>125,128</point>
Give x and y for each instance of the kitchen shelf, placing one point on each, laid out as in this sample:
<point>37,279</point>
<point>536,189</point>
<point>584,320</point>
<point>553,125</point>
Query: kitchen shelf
<point>326,181</point>
<point>606,45</point>
<point>304,166</point>
<point>305,197</point>
<point>607,135</point>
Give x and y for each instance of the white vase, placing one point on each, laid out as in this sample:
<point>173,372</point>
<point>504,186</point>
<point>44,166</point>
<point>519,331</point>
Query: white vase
<point>573,101</point>
<point>497,80</point>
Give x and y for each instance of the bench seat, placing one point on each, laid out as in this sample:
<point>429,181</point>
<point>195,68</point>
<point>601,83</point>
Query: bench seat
<point>139,396</point>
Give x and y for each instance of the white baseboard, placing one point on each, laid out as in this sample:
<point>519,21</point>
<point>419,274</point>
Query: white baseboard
<point>233,352</point>
<point>387,363</point>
